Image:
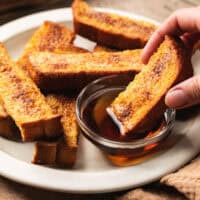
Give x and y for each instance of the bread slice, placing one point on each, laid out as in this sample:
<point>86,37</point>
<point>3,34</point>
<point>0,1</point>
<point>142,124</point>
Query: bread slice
<point>52,37</point>
<point>54,72</point>
<point>8,128</point>
<point>142,103</point>
<point>111,30</point>
<point>45,153</point>
<point>67,147</point>
<point>49,37</point>
<point>24,102</point>
<point>61,152</point>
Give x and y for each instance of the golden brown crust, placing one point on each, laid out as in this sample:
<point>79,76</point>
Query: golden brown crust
<point>24,102</point>
<point>108,29</point>
<point>71,49</point>
<point>8,128</point>
<point>3,113</point>
<point>145,102</point>
<point>66,156</point>
<point>67,147</point>
<point>54,72</point>
<point>51,37</point>
<point>45,153</point>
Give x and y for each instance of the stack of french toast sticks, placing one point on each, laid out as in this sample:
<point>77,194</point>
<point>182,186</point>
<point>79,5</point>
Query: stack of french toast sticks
<point>38,92</point>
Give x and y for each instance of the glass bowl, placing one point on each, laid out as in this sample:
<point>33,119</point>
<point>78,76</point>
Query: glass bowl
<point>121,153</point>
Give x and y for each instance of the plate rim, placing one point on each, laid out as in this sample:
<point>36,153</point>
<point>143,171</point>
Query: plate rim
<point>39,172</point>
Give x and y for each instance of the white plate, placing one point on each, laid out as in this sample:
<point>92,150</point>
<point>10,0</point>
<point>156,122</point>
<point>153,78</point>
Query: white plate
<point>93,173</point>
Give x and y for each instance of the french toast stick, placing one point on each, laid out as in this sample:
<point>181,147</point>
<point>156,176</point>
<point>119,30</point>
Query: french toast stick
<point>49,37</point>
<point>140,106</point>
<point>8,128</point>
<point>52,37</point>
<point>24,102</point>
<point>54,72</point>
<point>62,152</point>
<point>45,153</point>
<point>67,147</point>
<point>110,30</point>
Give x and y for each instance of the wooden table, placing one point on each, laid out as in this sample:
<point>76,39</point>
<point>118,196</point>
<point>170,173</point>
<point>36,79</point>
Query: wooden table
<point>155,9</point>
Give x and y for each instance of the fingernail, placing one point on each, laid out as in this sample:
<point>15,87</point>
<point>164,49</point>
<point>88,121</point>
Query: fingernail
<point>176,98</point>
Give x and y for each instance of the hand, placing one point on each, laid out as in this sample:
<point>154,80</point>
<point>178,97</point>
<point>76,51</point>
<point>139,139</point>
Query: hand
<point>184,23</point>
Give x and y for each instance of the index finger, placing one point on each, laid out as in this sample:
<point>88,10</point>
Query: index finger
<point>182,21</point>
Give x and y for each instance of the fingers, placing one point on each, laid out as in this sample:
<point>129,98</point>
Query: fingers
<point>184,94</point>
<point>152,45</point>
<point>182,21</point>
<point>190,40</point>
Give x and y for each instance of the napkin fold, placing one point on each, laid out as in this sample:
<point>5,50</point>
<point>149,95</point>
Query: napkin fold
<point>183,184</point>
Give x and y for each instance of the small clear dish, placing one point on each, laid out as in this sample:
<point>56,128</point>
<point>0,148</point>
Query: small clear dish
<point>90,110</point>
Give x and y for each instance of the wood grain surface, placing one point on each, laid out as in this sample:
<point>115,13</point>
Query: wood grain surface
<point>156,9</point>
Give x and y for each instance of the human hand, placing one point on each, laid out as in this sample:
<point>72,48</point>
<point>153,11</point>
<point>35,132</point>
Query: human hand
<point>184,23</point>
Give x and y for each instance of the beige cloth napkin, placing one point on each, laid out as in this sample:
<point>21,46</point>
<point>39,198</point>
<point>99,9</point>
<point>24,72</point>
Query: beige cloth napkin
<point>183,184</point>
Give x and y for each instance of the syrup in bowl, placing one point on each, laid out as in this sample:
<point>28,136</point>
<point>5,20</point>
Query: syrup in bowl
<point>97,126</point>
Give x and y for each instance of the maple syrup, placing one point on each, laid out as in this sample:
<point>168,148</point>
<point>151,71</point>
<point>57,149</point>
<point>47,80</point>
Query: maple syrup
<point>97,119</point>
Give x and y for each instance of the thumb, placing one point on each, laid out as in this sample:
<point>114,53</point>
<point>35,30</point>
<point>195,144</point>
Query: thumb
<point>184,94</point>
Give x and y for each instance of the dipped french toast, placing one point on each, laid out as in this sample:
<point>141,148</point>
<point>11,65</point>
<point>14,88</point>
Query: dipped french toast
<point>140,106</point>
